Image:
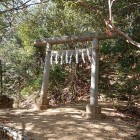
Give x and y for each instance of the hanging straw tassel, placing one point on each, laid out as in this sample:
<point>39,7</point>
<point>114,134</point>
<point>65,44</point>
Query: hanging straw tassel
<point>76,56</point>
<point>56,58</point>
<point>61,57</point>
<point>83,56</point>
<point>70,57</point>
<point>88,54</point>
<point>67,57</point>
<point>51,58</point>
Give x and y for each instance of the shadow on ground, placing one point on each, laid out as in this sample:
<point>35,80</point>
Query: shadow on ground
<point>67,123</point>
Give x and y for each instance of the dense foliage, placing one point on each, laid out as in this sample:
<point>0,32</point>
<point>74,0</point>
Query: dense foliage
<point>21,23</point>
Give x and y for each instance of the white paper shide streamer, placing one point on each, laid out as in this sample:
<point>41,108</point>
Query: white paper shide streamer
<point>61,58</point>
<point>83,56</point>
<point>51,58</point>
<point>76,56</point>
<point>56,58</point>
<point>88,54</point>
<point>67,55</point>
<point>70,57</point>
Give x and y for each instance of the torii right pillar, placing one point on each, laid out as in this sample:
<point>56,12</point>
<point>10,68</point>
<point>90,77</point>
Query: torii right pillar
<point>93,110</point>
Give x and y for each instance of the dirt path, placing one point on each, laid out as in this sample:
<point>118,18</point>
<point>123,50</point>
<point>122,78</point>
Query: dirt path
<point>67,123</point>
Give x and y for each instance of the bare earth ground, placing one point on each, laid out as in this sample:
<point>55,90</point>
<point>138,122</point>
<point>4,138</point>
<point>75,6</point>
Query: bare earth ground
<point>67,123</point>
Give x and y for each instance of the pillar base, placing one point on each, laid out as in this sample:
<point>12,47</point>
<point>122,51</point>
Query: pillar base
<point>42,104</point>
<point>44,107</point>
<point>93,112</point>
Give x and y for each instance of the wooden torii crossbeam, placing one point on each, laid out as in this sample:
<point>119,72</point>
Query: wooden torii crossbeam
<point>93,110</point>
<point>72,38</point>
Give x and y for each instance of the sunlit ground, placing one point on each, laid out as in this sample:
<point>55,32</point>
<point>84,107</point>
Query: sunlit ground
<point>68,123</point>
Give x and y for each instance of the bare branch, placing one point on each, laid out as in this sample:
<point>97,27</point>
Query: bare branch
<point>15,8</point>
<point>37,3</point>
<point>111,26</point>
<point>22,6</point>
<point>110,11</point>
<point>112,2</point>
<point>129,39</point>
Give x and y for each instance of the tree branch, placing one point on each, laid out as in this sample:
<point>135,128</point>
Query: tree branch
<point>22,6</point>
<point>15,8</point>
<point>111,26</point>
<point>129,39</point>
<point>110,3</point>
<point>110,10</point>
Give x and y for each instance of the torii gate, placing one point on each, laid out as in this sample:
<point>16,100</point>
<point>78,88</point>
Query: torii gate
<point>93,110</point>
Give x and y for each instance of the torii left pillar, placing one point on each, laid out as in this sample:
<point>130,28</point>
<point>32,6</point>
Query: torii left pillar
<point>93,110</point>
<point>44,102</point>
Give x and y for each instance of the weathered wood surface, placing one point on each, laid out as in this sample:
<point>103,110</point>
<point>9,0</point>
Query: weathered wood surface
<point>70,39</point>
<point>94,74</point>
<point>46,72</point>
<point>45,76</point>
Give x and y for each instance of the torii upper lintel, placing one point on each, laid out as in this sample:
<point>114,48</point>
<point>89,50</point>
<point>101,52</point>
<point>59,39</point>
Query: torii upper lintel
<point>72,38</point>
